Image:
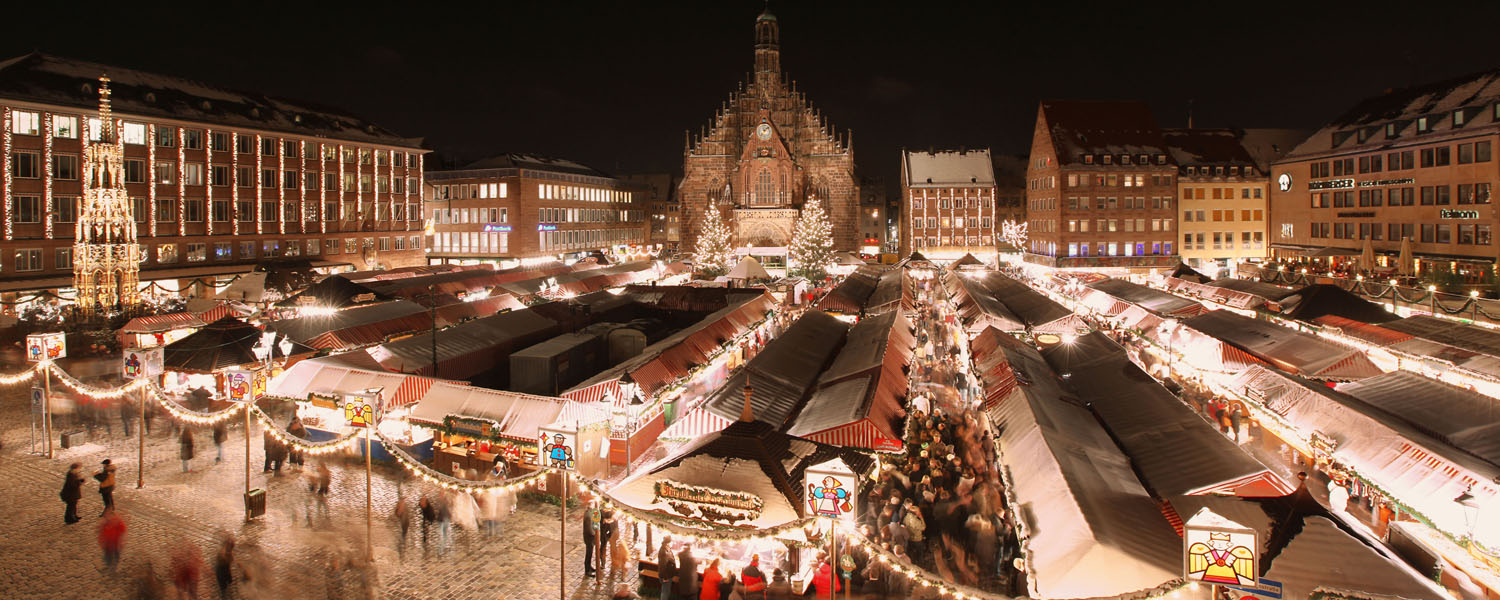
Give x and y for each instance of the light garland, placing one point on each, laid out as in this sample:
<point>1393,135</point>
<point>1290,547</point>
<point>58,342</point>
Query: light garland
<point>21,377</point>
<point>340,182</point>
<point>181,189</point>
<point>339,444</point>
<point>96,393</point>
<point>281,189</point>
<point>234,177</point>
<point>208,183</point>
<point>9,177</point>
<point>259,190</point>
<point>422,180</point>
<point>192,416</point>
<point>302,191</point>
<point>449,482</point>
<point>150,178</point>
<point>322,193</point>
<point>47,174</point>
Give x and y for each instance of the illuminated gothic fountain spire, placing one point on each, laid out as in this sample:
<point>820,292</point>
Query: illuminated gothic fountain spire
<point>106,257</point>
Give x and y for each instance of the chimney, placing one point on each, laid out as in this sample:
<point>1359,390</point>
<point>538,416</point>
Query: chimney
<point>747,414</point>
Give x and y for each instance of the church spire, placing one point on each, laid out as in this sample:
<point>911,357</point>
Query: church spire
<point>767,51</point>
<point>106,121</point>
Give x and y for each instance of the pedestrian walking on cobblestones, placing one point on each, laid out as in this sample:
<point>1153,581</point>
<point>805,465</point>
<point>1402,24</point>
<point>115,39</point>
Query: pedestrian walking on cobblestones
<point>111,538</point>
<point>148,585</point>
<point>106,479</point>
<point>402,515</point>
<point>224,566</point>
<point>127,415</point>
<point>187,566</point>
<point>72,492</point>
<point>221,432</point>
<point>297,457</point>
<point>186,451</point>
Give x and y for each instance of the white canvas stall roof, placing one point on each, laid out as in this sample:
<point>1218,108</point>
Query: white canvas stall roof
<point>710,472</point>
<point>980,308</point>
<point>330,375</point>
<point>1457,334</point>
<point>748,268</point>
<point>1324,558</point>
<point>518,415</point>
<point>1174,450</point>
<point>1153,300</point>
<point>1417,468</point>
<point>1467,420</point>
<point>1084,509</point>
<point>1291,350</point>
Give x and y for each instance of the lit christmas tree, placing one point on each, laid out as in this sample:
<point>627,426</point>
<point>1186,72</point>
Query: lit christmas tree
<point>811,252</point>
<point>713,253</point>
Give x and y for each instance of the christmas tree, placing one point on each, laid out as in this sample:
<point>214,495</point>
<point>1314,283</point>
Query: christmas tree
<point>713,253</point>
<point>811,252</point>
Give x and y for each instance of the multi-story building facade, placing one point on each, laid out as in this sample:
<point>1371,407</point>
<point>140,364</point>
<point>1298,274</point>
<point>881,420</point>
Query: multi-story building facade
<point>1100,187</point>
<point>663,211</point>
<point>218,180</point>
<point>766,152</point>
<point>1416,163</point>
<point>948,203</point>
<point>516,207</point>
<point>1010,188</point>
<point>874,217</point>
<point>1222,198</point>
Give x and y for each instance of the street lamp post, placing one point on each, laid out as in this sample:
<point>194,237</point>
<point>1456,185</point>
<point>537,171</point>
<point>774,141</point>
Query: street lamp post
<point>1471,515</point>
<point>1474,305</point>
<point>1395,310</point>
<point>1432,298</point>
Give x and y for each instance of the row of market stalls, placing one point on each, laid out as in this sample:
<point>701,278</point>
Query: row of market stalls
<point>1455,352</point>
<point>1241,294</point>
<point>870,290</point>
<point>1427,449</point>
<point>1104,466</point>
<point>1113,297</point>
<point>995,299</point>
<point>1223,343</point>
<point>159,330</point>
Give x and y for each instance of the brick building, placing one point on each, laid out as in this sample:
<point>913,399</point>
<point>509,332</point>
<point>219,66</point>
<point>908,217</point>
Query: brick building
<point>518,206</point>
<point>218,179</point>
<point>663,210</point>
<point>948,203</point>
<point>766,152</point>
<point>1413,163</point>
<point>1010,188</point>
<point>1100,187</point>
<point>874,217</point>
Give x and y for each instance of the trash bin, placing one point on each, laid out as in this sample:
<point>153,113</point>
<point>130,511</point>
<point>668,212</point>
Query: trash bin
<point>72,438</point>
<point>255,502</point>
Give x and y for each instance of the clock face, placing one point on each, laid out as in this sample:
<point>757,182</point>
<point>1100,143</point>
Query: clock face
<point>764,131</point>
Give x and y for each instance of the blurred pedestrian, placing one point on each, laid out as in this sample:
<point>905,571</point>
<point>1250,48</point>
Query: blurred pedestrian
<point>187,566</point>
<point>186,451</point>
<point>224,565</point>
<point>148,585</point>
<point>429,517</point>
<point>780,588</point>
<point>402,515</point>
<point>111,537</point>
<point>666,567</point>
<point>72,492</point>
<point>128,414</point>
<point>106,479</point>
<point>220,433</point>
<point>297,456</point>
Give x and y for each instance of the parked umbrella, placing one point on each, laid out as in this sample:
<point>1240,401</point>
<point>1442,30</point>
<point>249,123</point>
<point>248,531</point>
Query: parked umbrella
<point>1367,256</point>
<point>1404,259</point>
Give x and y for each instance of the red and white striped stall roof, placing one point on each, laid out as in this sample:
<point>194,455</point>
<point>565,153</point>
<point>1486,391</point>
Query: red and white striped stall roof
<point>699,422</point>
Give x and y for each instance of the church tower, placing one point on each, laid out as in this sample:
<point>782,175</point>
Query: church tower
<point>765,153</point>
<point>106,257</point>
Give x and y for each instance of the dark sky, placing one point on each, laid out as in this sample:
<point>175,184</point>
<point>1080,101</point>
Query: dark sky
<point>615,84</point>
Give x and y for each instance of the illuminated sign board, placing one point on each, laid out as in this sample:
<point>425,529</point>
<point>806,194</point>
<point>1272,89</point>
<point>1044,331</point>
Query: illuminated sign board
<point>1458,214</point>
<point>500,228</point>
<point>1378,182</point>
<point>1331,184</point>
<point>545,227</point>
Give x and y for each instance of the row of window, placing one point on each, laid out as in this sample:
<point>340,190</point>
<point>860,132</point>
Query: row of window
<point>1439,156</point>
<point>1121,248</point>
<point>954,222</point>
<point>28,209</point>
<point>1424,124</point>
<point>1200,216</point>
<point>1430,233</point>
<point>1111,203</point>
<point>452,216</point>
<point>953,203</point>
<point>1219,193</point>
<point>579,239</point>
<point>470,241</point>
<point>548,191</point>
<point>933,241</point>
<point>1431,195</point>
<point>28,165</point>
<point>1224,240</point>
<point>1220,170</point>
<point>1113,225</point>
<point>30,259</point>
<point>1116,179</point>
<point>466,191</point>
<point>1125,159</point>
<point>588,215</point>
<point>24,122</point>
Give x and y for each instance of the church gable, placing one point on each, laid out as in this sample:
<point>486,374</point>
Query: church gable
<point>768,173</point>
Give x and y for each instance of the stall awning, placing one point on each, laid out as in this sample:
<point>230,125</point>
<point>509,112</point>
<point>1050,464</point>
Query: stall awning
<point>162,323</point>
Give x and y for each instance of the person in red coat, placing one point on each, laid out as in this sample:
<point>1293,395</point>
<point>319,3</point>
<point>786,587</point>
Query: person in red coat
<point>111,537</point>
<point>711,579</point>
<point>825,583</point>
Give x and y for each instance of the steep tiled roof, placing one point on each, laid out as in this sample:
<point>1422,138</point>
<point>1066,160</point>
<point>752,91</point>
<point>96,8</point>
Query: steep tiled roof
<point>514,160</point>
<point>1364,124</point>
<point>48,79</point>
<point>948,167</point>
<point>1102,127</point>
<point>1206,147</point>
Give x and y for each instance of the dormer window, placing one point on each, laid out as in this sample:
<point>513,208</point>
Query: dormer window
<point>1109,159</point>
<point>1219,171</point>
<point>1124,159</point>
<point>1192,170</point>
<point>1422,125</point>
<point>1249,171</point>
<point>1234,171</point>
<point>1390,128</point>
<point>1161,159</point>
<point>1088,159</point>
<point>1142,159</point>
<point>1458,118</point>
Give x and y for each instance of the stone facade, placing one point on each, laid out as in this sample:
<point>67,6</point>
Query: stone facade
<point>767,152</point>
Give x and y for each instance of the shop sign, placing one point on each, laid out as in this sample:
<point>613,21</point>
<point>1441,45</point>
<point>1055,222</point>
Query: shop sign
<point>1265,588</point>
<point>832,490</point>
<point>48,346</point>
<point>138,363</point>
<point>328,401</point>
<point>1379,182</point>
<point>557,448</point>
<point>244,385</point>
<point>546,227</point>
<point>306,301</point>
<point>1331,184</point>
<point>1284,182</point>
<point>500,228</point>
<point>1458,214</point>
<point>360,409</point>
<point>1218,551</point>
<point>365,297</point>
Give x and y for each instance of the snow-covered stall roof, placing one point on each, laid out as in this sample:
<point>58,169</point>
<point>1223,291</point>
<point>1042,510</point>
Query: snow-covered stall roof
<point>469,348</point>
<point>518,416</point>
<point>848,297</point>
<point>784,372</point>
<point>745,458</point>
<point>1036,310</point>
<point>1175,450</point>
<point>858,401</point>
<point>1408,460</point>
<point>1290,350</point>
<point>978,308</point>
<point>345,373</point>
<point>1156,301</point>
<point>1084,511</point>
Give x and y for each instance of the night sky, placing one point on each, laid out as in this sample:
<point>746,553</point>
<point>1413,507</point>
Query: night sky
<point>614,85</point>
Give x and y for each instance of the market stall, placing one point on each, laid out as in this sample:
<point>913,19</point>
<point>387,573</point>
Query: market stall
<point>476,428</point>
<point>323,386</point>
<point>197,361</point>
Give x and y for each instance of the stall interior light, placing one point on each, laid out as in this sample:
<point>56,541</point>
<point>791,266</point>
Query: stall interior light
<point>316,311</point>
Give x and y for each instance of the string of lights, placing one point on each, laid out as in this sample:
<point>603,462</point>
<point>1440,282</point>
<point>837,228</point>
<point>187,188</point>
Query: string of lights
<point>193,416</point>
<point>338,444</point>
<point>94,392</point>
<point>19,377</point>
<point>449,482</point>
<point>679,530</point>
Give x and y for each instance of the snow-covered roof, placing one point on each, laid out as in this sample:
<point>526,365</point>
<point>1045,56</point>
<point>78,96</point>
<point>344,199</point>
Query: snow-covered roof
<point>48,79</point>
<point>1207,147</point>
<point>1081,127</point>
<point>518,160</point>
<point>948,168</point>
<point>1364,125</point>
